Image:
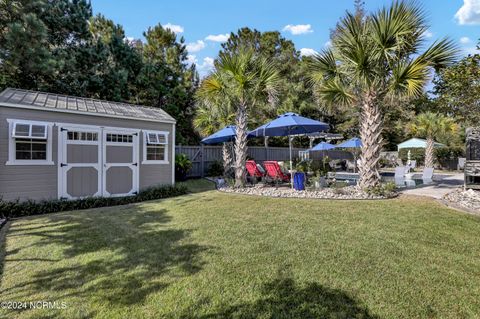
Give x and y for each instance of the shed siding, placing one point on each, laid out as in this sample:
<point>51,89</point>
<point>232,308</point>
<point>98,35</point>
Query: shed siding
<point>39,182</point>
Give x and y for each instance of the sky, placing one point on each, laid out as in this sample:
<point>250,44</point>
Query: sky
<point>206,24</point>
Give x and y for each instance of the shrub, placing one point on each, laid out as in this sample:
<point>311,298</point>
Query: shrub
<point>416,154</point>
<point>10,209</point>
<point>384,190</point>
<point>215,169</point>
<point>447,153</point>
<point>303,166</point>
<point>182,166</point>
<point>321,167</point>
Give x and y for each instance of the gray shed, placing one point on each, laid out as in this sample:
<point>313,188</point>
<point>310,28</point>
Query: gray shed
<point>56,146</point>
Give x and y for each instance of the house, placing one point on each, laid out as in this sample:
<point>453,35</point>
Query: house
<point>56,146</point>
<point>416,143</point>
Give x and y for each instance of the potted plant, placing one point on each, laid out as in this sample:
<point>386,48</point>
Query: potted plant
<point>182,166</point>
<point>299,177</point>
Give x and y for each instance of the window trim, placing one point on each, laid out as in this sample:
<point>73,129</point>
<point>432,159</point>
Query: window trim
<point>12,148</point>
<point>144,147</point>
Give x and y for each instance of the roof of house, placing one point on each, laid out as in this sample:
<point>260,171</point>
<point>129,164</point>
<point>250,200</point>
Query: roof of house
<point>71,104</point>
<point>416,142</point>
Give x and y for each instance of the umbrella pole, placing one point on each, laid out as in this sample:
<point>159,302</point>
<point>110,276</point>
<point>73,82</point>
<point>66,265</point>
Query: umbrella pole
<point>291,168</point>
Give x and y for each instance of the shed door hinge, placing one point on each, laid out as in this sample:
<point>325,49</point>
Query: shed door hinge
<point>63,164</point>
<point>135,164</point>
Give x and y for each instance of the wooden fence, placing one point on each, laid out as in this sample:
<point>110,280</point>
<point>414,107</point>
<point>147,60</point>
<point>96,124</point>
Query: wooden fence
<point>203,156</point>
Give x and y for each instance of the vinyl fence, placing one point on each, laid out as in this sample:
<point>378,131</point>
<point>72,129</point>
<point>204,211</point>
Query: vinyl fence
<point>203,156</point>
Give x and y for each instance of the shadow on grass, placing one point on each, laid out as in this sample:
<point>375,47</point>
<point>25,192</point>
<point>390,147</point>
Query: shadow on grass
<point>117,255</point>
<point>283,298</point>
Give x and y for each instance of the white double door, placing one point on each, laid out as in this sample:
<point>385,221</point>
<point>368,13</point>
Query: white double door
<point>97,161</point>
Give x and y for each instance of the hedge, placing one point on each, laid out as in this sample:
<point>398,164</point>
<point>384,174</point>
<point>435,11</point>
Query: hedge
<point>416,154</point>
<point>441,154</point>
<point>11,209</point>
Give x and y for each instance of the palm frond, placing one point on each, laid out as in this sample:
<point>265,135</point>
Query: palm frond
<point>333,92</point>
<point>441,54</point>
<point>409,78</point>
<point>322,66</point>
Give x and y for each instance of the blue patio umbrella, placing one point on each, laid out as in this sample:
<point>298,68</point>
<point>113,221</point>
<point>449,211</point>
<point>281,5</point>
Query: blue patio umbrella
<point>289,124</point>
<point>226,134</point>
<point>323,146</point>
<point>353,143</point>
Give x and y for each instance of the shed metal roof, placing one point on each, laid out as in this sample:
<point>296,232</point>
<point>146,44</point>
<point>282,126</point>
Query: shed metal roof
<point>71,104</point>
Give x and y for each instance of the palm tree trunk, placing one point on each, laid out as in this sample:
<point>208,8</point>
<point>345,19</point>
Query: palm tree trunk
<point>240,145</point>
<point>227,159</point>
<point>429,150</point>
<point>371,135</point>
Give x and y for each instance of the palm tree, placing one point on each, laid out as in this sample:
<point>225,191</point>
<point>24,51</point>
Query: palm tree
<point>210,118</point>
<point>244,79</point>
<point>375,59</point>
<point>431,125</point>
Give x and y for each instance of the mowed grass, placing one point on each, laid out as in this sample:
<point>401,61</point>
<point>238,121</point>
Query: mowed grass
<point>216,255</point>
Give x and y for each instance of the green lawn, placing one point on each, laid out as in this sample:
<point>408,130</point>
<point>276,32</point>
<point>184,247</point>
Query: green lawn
<point>215,255</point>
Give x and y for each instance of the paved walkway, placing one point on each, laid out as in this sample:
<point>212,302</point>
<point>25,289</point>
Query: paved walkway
<point>445,185</point>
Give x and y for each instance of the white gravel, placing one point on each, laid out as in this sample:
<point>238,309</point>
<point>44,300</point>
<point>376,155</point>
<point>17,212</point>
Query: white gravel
<point>469,199</point>
<point>349,192</point>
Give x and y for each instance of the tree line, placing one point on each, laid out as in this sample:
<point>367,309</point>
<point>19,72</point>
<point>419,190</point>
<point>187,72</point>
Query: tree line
<point>61,47</point>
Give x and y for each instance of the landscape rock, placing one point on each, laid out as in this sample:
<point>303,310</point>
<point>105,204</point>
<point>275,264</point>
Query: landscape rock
<point>348,192</point>
<point>469,199</point>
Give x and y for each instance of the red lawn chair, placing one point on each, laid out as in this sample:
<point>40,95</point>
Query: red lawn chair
<point>275,172</point>
<point>253,172</point>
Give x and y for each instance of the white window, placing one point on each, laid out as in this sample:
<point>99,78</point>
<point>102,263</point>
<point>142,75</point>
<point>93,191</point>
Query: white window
<point>155,147</point>
<point>30,143</point>
<point>29,130</point>
<point>119,138</point>
<point>82,136</point>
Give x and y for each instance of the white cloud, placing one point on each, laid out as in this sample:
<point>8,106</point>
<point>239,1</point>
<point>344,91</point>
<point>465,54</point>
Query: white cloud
<point>207,63</point>
<point>307,52</point>
<point>470,50</point>
<point>465,40</point>
<point>427,34</point>
<point>196,46</point>
<point>218,37</point>
<point>191,59</point>
<point>298,28</point>
<point>469,13</point>
<point>174,27</point>
<point>328,44</point>
<point>203,68</point>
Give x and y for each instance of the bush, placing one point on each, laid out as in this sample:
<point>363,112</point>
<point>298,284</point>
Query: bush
<point>416,154</point>
<point>384,190</point>
<point>10,209</point>
<point>215,169</point>
<point>448,153</point>
<point>182,166</point>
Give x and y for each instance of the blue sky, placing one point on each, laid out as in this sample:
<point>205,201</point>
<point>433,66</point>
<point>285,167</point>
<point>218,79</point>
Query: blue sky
<point>204,24</point>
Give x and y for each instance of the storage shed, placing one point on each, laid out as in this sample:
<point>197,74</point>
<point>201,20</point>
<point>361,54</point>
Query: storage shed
<point>56,146</point>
